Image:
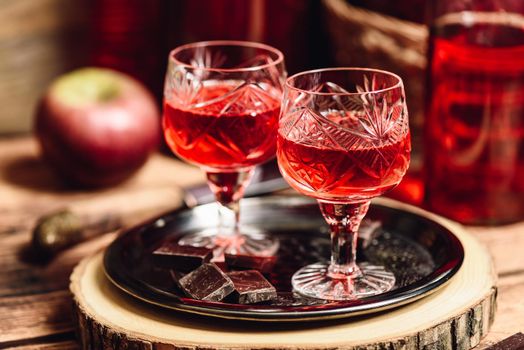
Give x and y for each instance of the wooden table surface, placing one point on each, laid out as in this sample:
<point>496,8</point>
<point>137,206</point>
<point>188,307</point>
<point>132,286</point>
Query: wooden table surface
<point>35,302</point>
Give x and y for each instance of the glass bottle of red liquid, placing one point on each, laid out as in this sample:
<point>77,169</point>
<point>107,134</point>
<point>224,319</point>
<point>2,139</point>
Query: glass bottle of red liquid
<point>474,128</point>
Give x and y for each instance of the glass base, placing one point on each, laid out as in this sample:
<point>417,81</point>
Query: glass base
<point>314,281</point>
<point>250,241</point>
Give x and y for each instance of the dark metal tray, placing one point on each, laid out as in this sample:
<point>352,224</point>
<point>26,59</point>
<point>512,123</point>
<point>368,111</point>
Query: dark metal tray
<point>421,253</point>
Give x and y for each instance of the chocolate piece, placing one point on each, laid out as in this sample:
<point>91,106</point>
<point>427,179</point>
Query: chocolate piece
<point>515,342</point>
<point>181,257</point>
<point>263,264</point>
<point>207,282</point>
<point>251,287</point>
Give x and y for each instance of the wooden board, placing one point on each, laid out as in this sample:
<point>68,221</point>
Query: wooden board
<point>35,305</point>
<point>455,317</point>
<point>28,189</point>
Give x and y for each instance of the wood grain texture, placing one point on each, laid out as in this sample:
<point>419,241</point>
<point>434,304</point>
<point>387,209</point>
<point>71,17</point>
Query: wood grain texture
<point>53,345</point>
<point>455,317</point>
<point>28,189</point>
<point>38,41</point>
<point>510,310</point>
<point>41,315</point>
<point>505,245</point>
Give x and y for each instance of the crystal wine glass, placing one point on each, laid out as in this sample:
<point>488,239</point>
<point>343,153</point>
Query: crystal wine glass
<point>343,139</point>
<point>221,107</point>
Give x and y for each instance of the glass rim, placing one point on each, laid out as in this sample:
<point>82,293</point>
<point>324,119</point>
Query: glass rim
<point>397,85</point>
<point>238,43</point>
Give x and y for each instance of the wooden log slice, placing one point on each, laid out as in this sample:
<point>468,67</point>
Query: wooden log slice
<point>457,316</point>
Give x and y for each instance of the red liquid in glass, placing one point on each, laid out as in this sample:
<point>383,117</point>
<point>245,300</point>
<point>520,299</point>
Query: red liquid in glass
<point>343,175</point>
<point>475,122</point>
<point>224,133</point>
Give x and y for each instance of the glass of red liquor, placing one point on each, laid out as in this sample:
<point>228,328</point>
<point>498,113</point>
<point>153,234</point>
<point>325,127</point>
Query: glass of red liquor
<point>474,126</point>
<point>221,107</point>
<point>343,138</point>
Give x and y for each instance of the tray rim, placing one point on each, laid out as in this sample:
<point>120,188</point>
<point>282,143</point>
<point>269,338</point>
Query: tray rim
<point>403,298</point>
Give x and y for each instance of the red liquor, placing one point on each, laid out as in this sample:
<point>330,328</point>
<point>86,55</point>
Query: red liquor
<point>345,175</point>
<point>475,121</point>
<point>225,127</point>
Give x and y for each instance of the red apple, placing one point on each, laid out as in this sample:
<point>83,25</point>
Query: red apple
<point>96,126</point>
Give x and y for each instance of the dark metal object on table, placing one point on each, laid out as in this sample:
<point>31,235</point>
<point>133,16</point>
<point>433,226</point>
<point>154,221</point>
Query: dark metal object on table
<point>59,230</point>
<point>421,253</point>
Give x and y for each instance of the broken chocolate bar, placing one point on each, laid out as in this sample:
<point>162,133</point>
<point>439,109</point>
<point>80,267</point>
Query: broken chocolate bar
<point>263,264</point>
<point>515,342</point>
<point>181,257</point>
<point>251,287</point>
<point>207,282</point>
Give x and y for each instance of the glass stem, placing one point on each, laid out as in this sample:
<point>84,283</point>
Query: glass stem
<point>344,221</point>
<point>228,188</point>
<point>224,215</point>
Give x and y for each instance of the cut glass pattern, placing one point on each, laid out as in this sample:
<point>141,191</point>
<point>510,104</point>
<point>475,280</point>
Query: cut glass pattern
<point>366,122</point>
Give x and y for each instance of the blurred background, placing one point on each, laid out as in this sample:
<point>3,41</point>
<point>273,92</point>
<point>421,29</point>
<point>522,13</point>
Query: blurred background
<point>39,40</point>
